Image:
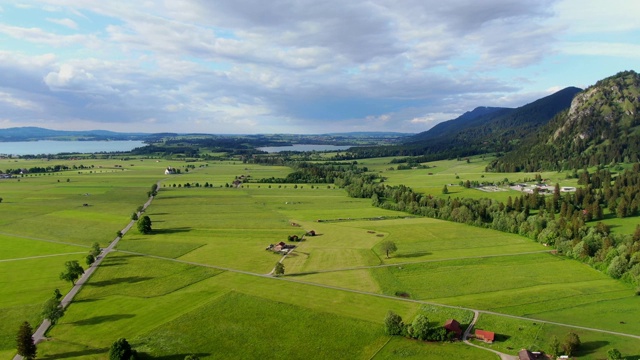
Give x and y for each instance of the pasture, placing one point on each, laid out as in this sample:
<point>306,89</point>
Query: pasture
<point>199,283</point>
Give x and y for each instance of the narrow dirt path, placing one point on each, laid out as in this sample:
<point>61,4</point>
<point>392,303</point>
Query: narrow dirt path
<point>39,334</point>
<point>43,256</point>
<point>465,339</point>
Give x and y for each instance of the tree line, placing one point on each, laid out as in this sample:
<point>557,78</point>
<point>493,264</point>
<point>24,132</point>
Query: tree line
<point>567,221</point>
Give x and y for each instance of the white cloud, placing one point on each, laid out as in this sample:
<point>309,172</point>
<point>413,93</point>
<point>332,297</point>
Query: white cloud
<point>18,103</point>
<point>64,22</point>
<point>67,75</point>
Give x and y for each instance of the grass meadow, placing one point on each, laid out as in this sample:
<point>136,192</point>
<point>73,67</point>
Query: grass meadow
<point>199,283</point>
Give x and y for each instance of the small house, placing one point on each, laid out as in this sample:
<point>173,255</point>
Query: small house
<point>486,336</point>
<point>525,354</point>
<point>453,326</point>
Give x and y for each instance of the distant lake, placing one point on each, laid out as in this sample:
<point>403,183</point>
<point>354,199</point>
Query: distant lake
<point>304,147</point>
<point>56,147</point>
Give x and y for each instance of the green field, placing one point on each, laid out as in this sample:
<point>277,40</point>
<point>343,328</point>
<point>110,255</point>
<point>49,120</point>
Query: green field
<point>200,283</point>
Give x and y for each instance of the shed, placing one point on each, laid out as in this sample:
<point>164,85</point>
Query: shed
<point>486,336</point>
<point>453,326</point>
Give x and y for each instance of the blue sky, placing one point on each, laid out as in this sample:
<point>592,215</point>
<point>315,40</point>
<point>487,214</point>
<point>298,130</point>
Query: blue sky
<point>254,66</point>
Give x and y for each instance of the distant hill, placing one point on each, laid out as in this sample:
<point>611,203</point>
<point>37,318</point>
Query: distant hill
<point>37,133</point>
<point>449,128</point>
<point>602,126</point>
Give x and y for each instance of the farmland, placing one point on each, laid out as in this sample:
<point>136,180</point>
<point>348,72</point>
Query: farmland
<point>199,283</point>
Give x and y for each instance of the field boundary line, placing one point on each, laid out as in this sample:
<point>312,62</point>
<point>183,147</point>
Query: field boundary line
<point>381,347</point>
<point>391,297</point>
<point>45,240</point>
<point>417,262</point>
<point>42,256</point>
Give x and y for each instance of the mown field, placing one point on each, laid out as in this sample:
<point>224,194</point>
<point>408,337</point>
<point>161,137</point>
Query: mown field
<point>199,283</point>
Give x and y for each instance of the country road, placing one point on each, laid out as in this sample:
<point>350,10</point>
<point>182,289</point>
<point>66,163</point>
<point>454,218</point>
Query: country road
<point>39,334</point>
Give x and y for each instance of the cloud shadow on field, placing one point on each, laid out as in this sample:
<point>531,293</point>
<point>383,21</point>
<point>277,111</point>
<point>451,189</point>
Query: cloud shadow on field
<point>129,280</point>
<point>101,319</point>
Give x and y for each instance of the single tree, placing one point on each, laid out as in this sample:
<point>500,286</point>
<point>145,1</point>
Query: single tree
<point>571,344</point>
<point>57,295</point>
<point>95,249</point>
<point>1,199</point>
<point>120,350</point>
<point>614,354</point>
<point>24,341</point>
<point>420,327</point>
<point>393,324</point>
<point>555,347</point>
<point>52,310</point>
<point>72,272</point>
<point>90,259</point>
<point>144,225</point>
<point>279,269</point>
<point>445,190</point>
<point>134,216</point>
<point>388,247</point>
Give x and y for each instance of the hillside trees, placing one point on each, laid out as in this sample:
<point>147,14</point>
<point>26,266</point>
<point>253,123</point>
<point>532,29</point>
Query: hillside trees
<point>560,220</point>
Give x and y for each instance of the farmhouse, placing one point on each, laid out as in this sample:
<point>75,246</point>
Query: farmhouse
<point>525,354</point>
<point>486,336</point>
<point>169,170</point>
<point>453,326</point>
<point>280,247</point>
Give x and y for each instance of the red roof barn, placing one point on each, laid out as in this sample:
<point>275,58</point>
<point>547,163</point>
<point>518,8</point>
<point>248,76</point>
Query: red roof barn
<point>453,326</point>
<point>486,336</point>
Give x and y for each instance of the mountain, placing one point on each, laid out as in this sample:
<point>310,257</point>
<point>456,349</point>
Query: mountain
<point>37,133</point>
<point>469,119</point>
<point>487,125</point>
<point>483,130</point>
<point>602,126</point>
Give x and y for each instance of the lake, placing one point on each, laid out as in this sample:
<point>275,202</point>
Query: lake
<point>56,147</point>
<point>304,147</point>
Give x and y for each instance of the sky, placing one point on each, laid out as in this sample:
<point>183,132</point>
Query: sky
<point>298,67</point>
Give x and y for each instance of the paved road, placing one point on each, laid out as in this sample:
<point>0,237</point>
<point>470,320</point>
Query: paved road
<point>39,334</point>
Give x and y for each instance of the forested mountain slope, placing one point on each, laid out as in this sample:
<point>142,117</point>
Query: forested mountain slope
<point>600,127</point>
<point>485,129</point>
